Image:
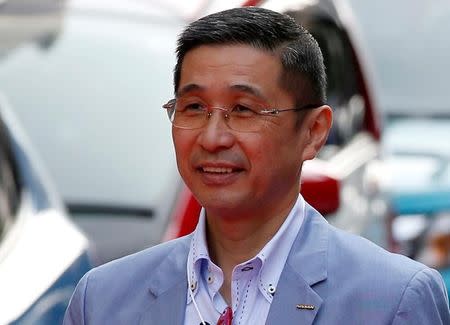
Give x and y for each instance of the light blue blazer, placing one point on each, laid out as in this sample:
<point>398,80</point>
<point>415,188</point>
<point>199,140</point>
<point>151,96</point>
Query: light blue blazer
<point>330,277</point>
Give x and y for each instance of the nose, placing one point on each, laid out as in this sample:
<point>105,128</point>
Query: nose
<point>216,135</point>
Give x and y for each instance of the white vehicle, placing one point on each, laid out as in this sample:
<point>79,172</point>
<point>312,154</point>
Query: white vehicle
<point>42,253</point>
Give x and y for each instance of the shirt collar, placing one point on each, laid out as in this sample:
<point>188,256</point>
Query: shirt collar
<point>272,256</point>
<point>198,258</point>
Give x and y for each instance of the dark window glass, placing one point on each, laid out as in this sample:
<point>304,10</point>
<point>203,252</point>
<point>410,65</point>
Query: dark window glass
<point>342,92</point>
<point>9,186</point>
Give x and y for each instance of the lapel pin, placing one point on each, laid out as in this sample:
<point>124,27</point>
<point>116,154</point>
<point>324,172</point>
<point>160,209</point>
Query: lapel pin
<point>303,306</point>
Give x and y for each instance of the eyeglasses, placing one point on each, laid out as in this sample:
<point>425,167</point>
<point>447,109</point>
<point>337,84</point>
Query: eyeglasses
<point>190,115</point>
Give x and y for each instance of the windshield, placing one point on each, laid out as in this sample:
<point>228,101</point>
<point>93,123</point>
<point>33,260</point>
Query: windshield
<point>91,102</point>
<point>409,44</point>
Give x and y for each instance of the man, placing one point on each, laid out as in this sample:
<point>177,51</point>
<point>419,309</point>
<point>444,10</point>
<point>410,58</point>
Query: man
<point>249,109</point>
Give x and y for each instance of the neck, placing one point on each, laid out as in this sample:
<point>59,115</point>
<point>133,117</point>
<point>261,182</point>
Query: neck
<point>236,238</point>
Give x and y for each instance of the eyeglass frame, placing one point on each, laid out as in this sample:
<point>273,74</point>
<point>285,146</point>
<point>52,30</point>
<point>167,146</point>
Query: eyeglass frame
<point>170,105</point>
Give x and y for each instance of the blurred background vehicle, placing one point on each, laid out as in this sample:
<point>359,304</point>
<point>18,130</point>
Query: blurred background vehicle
<point>410,50</point>
<point>42,253</point>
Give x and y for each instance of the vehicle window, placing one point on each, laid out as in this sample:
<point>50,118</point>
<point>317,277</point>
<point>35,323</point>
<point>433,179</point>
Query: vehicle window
<point>9,184</point>
<point>342,91</point>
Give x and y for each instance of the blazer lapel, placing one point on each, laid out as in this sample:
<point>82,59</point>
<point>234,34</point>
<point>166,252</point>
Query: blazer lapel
<point>167,308</point>
<point>167,289</point>
<point>296,301</point>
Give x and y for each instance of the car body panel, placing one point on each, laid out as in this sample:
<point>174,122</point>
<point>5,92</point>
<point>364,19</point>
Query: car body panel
<point>40,249</point>
<point>52,304</point>
<point>38,262</point>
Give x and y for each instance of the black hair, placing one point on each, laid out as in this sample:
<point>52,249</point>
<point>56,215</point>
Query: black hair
<point>303,73</point>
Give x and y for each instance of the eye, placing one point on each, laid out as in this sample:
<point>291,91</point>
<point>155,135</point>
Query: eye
<point>192,107</point>
<point>242,110</point>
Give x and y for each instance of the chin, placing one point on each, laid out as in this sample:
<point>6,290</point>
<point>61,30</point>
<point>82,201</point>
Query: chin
<point>221,203</point>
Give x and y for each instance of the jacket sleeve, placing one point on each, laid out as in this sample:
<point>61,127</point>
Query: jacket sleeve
<point>424,301</point>
<point>75,311</point>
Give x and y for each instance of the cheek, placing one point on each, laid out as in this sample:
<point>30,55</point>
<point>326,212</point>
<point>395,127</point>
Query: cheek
<point>282,155</point>
<point>254,148</point>
<point>263,154</point>
<point>182,144</point>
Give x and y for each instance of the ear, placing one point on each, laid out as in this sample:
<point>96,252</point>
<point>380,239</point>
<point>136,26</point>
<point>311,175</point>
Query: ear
<point>317,126</point>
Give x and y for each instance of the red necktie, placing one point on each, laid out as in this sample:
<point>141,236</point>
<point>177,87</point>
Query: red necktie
<point>226,317</point>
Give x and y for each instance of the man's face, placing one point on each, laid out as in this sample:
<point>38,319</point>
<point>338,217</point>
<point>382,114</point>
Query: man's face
<point>238,173</point>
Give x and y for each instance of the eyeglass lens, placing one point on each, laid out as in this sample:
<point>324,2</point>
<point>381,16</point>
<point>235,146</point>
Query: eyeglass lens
<point>244,120</point>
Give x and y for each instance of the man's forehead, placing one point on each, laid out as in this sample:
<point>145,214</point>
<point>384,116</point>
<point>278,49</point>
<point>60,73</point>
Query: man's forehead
<point>237,68</point>
<point>242,53</point>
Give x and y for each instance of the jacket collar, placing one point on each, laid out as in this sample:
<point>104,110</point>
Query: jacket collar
<point>296,302</point>
<point>167,287</point>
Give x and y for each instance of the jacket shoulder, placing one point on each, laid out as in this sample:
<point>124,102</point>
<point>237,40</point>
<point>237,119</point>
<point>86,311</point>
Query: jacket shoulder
<point>365,279</point>
<point>144,260</point>
<point>117,292</point>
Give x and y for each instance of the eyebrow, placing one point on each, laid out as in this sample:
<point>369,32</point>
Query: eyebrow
<point>239,87</point>
<point>249,90</point>
<point>188,88</point>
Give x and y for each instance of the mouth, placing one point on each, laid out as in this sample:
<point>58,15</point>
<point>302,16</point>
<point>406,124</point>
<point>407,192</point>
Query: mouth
<point>219,175</point>
<point>217,170</point>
